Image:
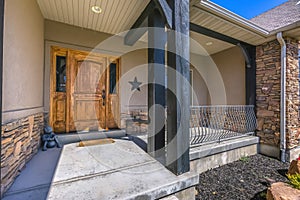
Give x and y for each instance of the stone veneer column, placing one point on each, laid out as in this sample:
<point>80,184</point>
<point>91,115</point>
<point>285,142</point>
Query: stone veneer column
<point>20,140</point>
<point>268,78</point>
<point>292,94</point>
<point>268,97</point>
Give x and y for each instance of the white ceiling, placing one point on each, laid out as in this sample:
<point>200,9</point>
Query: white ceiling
<point>119,15</point>
<point>205,45</point>
<point>116,16</point>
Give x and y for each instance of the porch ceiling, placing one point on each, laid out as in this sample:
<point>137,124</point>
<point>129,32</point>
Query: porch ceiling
<point>116,16</point>
<point>119,15</point>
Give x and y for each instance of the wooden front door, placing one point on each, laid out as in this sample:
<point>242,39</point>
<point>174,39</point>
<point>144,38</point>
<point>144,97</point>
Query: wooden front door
<point>86,101</point>
<point>88,92</point>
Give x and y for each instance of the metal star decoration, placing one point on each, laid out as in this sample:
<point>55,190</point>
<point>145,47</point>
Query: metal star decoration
<point>135,85</point>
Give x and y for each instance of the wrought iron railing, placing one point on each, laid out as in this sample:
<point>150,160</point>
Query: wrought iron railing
<point>210,124</point>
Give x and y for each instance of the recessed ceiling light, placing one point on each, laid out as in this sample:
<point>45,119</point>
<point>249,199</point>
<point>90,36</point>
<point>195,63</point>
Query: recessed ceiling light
<point>96,9</point>
<point>208,43</point>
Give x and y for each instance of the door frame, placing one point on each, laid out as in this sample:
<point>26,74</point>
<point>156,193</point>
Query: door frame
<point>62,51</point>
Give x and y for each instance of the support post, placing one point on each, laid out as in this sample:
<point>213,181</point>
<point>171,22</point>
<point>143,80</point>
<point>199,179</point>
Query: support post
<point>156,86</point>
<point>178,95</point>
<point>249,53</point>
<point>1,53</point>
<point>251,77</point>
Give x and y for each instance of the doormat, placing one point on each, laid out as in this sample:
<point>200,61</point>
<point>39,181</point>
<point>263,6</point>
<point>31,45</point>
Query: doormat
<point>96,142</point>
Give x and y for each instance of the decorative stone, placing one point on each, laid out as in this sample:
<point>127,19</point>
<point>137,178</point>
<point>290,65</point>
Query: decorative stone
<point>19,142</point>
<point>260,124</point>
<point>6,141</point>
<point>268,92</point>
<point>18,149</point>
<point>282,191</point>
<point>294,167</point>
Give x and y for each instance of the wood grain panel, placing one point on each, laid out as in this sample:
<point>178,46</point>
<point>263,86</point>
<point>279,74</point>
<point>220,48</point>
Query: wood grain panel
<point>58,100</point>
<point>86,104</point>
<point>88,81</point>
<point>59,110</point>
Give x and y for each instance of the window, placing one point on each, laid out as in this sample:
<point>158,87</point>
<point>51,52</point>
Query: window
<point>112,78</point>
<point>61,77</point>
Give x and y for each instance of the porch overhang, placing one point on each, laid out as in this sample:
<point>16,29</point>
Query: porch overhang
<point>134,34</point>
<point>214,17</point>
<point>211,17</point>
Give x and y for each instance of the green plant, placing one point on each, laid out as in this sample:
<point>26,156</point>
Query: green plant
<point>244,159</point>
<point>294,180</point>
<point>263,195</point>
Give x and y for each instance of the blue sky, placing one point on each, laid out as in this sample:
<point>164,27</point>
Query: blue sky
<point>248,8</point>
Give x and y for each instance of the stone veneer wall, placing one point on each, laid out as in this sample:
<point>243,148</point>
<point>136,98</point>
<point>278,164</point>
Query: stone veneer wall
<point>268,84</point>
<point>268,77</point>
<point>292,94</point>
<point>20,140</point>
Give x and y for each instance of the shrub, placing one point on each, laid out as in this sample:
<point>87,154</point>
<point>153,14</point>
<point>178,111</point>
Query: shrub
<point>294,180</point>
<point>244,159</point>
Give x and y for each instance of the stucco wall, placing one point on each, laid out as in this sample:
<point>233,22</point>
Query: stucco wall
<point>220,78</point>
<point>67,34</point>
<point>23,72</point>
<point>23,58</point>
<point>63,35</point>
<point>134,64</point>
<point>200,93</point>
<point>231,64</point>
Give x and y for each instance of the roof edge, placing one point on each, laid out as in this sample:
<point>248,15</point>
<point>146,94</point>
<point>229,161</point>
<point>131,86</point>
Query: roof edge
<point>287,27</point>
<point>234,18</point>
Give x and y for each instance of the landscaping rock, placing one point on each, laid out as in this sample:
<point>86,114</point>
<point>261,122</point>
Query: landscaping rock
<point>282,191</point>
<point>294,167</point>
<point>242,180</point>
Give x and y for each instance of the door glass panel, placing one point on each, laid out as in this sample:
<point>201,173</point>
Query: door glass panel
<point>112,78</point>
<point>61,77</point>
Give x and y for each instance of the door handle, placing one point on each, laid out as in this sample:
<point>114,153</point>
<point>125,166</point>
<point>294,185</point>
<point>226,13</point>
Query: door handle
<point>103,97</point>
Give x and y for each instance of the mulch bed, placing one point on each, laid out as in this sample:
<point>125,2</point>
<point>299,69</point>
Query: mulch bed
<point>247,178</point>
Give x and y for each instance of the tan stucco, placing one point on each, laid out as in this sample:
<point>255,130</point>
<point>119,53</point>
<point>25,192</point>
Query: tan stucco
<point>134,64</point>
<point>231,64</point>
<point>63,35</point>
<point>23,58</point>
<point>220,78</point>
<point>200,92</point>
<point>67,34</point>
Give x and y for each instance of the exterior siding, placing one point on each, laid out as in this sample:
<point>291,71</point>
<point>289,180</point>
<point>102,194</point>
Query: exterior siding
<point>268,93</point>
<point>20,140</point>
<point>292,94</point>
<point>268,82</point>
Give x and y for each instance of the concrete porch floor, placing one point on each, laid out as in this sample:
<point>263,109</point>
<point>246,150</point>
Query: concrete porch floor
<point>35,179</point>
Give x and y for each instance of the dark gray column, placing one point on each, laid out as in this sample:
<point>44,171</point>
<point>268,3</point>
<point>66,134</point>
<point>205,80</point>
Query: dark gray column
<point>178,95</point>
<point>156,87</point>
<point>251,77</point>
